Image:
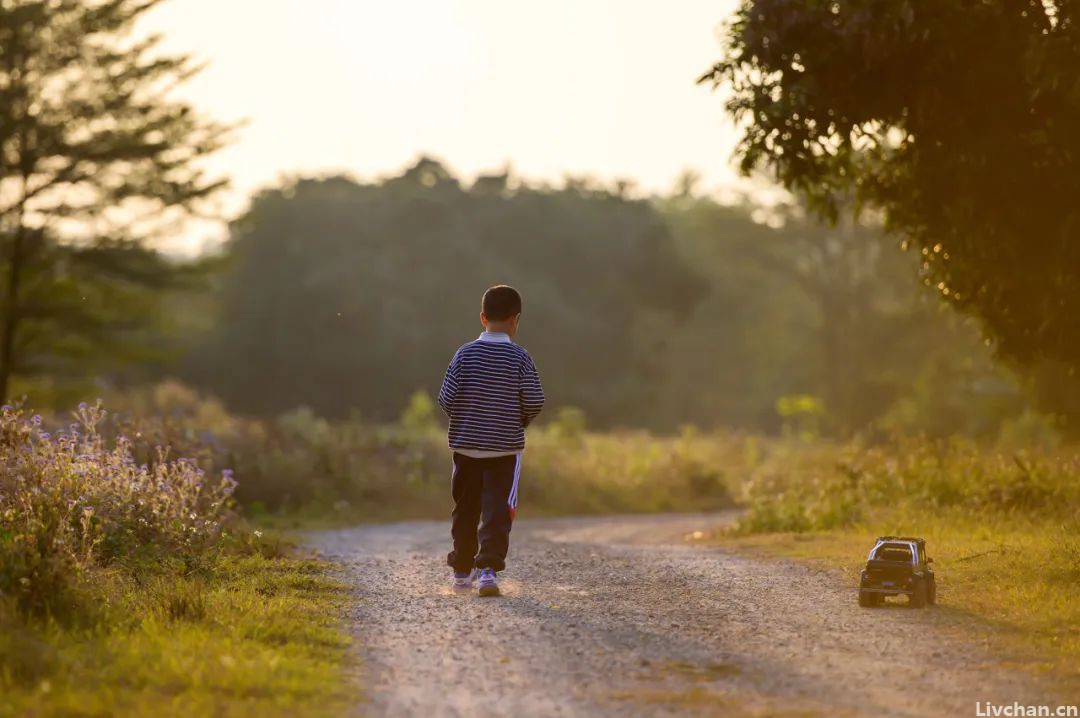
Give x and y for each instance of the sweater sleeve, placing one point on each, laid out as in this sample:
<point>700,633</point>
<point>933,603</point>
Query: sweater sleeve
<point>450,385</point>
<point>532,393</point>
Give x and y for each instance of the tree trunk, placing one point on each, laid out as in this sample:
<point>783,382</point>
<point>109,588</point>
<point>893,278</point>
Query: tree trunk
<point>11,309</point>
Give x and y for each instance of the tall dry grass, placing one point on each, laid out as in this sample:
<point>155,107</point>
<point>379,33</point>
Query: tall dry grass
<point>824,486</point>
<point>299,462</point>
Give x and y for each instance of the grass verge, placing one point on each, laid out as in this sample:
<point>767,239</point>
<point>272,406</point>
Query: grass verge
<point>1016,577</point>
<point>251,635</point>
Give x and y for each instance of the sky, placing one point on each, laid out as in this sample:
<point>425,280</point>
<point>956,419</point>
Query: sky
<point>599,87</point>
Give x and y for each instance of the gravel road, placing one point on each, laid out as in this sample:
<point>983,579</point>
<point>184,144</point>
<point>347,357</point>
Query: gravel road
<point>619,617</point>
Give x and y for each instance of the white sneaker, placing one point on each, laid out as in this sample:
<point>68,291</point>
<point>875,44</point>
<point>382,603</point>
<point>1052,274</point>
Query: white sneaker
<point>488,585</point>
<point>463,582</point>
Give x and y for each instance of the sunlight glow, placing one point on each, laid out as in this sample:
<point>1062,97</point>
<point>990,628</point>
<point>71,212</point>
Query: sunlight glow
<point>605,88</point>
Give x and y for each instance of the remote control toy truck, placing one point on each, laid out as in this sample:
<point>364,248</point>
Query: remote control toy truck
<point>898,566</point>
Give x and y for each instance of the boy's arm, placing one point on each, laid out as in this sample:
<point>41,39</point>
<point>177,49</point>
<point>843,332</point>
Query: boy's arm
<point>449,386</point>
<point>532,393</point>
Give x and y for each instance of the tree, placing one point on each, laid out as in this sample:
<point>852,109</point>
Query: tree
<point>957,118</point>
<point>345,296</point>
<point>836,313</point>
<point>95,158</point>
<point>349,297</point>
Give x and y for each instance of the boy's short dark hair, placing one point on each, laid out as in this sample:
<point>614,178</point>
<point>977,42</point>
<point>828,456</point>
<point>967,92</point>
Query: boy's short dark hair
<point>501,302</point>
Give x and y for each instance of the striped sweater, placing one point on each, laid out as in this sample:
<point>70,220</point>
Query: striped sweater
<point>491,392</point>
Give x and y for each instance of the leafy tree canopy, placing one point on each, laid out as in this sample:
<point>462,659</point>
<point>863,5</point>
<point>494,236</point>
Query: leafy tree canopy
<point>95,155</point>
<point>655,313</point>
<point>351,296</point>
<point>957,117</point>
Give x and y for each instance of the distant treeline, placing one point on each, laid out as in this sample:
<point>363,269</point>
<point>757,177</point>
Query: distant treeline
<point>348,297</point>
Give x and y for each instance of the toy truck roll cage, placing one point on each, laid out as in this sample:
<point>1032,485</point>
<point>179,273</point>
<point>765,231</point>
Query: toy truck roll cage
<point>898,566</point>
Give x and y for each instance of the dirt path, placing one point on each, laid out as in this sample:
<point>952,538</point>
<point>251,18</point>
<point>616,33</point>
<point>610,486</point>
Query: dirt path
<point>613,617</point>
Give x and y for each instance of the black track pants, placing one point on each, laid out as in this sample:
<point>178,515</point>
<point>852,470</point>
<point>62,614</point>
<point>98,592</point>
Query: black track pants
<point>485,496</point>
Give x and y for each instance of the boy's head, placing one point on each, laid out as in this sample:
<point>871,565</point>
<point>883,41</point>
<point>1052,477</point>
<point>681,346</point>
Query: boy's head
<point>500,309</point>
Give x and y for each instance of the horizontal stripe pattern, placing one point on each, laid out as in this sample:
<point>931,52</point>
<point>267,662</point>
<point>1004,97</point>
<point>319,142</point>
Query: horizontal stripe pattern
<point>491,392</point>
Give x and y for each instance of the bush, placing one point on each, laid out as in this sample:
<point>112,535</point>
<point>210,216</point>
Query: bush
<point>828,486</point>
<point>71,502</point>
<point>355,469</point>
<point>361,470</point>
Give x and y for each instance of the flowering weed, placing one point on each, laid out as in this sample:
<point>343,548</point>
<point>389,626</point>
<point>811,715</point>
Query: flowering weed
<point>71,502</point>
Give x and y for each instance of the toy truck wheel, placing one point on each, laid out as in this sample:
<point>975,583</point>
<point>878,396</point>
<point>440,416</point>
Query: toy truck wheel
<point>931,594</point>
<point>868,599</point>
<point>918,596</point>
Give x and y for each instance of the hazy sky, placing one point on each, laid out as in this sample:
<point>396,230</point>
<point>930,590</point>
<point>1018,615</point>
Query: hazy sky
<point>603,87</point>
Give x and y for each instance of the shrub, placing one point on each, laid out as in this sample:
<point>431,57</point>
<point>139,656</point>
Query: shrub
<point>71,501</point>
<point>828,486</point>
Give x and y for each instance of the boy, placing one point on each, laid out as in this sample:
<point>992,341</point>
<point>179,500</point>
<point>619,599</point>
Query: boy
<point>491,392</point>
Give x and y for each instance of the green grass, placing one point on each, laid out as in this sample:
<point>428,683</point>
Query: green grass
<point>253,635</point>
<point>1016,577</point>
<point>1003,525</point>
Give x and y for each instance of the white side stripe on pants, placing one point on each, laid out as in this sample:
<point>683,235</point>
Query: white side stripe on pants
<point>517,477</point>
